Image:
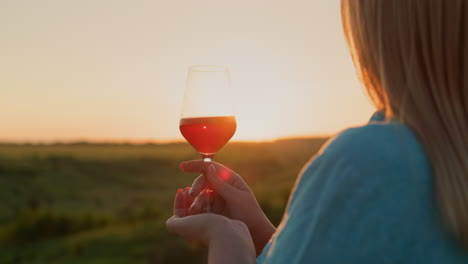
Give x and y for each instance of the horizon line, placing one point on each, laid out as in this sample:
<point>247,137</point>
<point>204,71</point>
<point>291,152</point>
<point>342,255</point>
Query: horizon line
<point>141,141</point>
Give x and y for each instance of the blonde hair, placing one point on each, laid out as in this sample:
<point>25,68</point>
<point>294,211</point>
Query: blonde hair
<point>412,57</point>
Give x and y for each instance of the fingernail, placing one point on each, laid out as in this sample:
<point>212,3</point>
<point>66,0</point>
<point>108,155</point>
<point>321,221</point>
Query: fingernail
<point>187,189</point>
<point>211,168</point>
<point>180,190</point>
<point>191,207</point>
<point>181,166</point>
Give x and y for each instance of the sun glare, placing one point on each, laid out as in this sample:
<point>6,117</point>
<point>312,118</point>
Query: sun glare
<point>124,79</point>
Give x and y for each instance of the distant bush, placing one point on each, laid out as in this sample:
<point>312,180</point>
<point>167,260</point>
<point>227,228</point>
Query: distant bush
<point>138,213</point>
<point>107,203</point>
<point>33,225</point>
<point>273,211</point>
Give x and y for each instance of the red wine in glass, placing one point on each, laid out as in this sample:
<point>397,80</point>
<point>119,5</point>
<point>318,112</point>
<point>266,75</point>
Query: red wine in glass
<point>208,120</point>
<point>208,134</point>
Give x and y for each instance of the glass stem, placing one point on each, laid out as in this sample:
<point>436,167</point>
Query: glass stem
<point>207,202</point>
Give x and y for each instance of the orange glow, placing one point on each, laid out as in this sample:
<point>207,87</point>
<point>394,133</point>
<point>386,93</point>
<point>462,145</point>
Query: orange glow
<point>225,174</point>
<point>117,71</point>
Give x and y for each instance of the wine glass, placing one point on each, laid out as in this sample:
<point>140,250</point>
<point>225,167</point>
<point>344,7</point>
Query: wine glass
<point>207,121</point>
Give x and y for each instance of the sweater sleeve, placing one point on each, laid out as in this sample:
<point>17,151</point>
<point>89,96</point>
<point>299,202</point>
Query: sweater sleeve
<point>362,200</point>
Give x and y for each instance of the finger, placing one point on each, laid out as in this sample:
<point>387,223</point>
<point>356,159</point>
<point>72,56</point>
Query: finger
<point>179,204</point>
<point>193,166</point>
<point>195,207</point>
<point>188,199</point>
<point>208,201</point>
<point>198,204</point>
<point>197,186</point>
<point>218,203</point>
<point>219,182</point>
<point>199,166</point>
<point>224,173</point>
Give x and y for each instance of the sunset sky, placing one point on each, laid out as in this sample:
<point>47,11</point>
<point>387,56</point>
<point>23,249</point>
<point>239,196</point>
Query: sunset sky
<point>115,70</point>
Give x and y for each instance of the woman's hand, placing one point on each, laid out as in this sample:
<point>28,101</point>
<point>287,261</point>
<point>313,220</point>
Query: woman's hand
<point>233,199</point>
<point>228,240</point>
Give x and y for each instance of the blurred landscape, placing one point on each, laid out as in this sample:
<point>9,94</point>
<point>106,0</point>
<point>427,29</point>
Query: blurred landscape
<point>108,203</point>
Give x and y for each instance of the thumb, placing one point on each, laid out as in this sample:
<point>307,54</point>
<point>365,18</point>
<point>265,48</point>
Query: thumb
<point>180,207</point>
<point>219,181</point>
<point>194,228</point>
<point>172,224</point>
<point>180,226</point>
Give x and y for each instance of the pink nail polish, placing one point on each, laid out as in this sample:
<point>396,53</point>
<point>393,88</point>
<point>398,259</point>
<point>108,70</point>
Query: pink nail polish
<point>191,207</point>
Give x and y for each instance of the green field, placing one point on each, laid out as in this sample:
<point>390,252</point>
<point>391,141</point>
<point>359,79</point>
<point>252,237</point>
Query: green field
<point>107,203</point>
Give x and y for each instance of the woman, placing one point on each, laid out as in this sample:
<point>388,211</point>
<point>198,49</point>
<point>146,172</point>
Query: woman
<point>392,191</point>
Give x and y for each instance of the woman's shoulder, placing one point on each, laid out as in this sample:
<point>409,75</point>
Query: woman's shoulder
<point>369,193</point>
<point>384,146</point>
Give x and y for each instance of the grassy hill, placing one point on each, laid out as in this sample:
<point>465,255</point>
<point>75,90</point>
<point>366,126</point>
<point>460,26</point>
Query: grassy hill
<point>107,203</point>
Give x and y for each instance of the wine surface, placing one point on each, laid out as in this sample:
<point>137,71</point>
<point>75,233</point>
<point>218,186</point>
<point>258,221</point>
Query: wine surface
<point>208,134</point>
